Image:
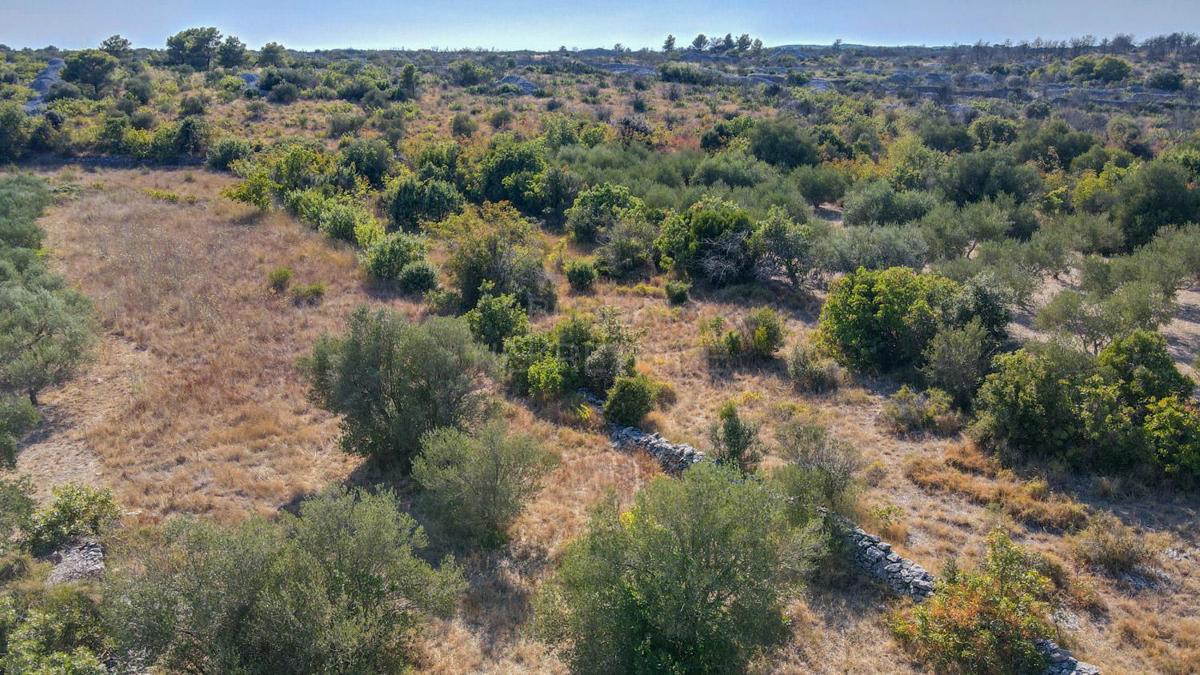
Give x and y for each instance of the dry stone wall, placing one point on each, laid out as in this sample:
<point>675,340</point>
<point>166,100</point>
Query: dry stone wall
<point>673,457</point>
<point>871,556</point>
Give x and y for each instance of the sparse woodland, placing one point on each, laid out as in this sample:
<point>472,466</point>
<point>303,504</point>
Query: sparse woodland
<point>324,350</point>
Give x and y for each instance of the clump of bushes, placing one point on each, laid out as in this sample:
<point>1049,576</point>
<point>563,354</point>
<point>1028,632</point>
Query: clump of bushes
<point>74,511</point>
<point>257,598</point>
<point>581,274</point>
<point>1124,410</point>
<point>1111,545</point>
<point>811,371</point>
<point>909,412</point>
<point>758,336</point>
<point>496,318</point>
<point>400,258</point>
<point>715,535</point>
<point>582,351</point>
<point>982,620</point>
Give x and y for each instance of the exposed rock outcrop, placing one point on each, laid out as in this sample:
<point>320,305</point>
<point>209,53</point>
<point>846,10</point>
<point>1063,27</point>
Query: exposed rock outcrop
<point>81,560</point>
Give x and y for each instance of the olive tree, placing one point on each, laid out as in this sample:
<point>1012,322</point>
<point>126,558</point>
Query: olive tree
<point>393,380</point>
<point>692,578</point>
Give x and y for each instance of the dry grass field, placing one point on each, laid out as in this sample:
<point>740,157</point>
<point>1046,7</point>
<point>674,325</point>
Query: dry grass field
<point>194,405</point>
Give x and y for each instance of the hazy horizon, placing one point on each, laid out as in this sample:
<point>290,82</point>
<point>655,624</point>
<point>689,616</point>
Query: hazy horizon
<point>548,24</point>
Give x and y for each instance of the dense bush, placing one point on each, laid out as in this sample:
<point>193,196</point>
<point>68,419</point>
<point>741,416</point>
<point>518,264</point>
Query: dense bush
<point>781,142</point>
<point>714,536</point>
<point>410,201</point>
<point>477,483</point>
<point>74,511</point>
<point>496,244</point>
<point>598,209</point>
<point>884,320</point>
<point>630,399</point>
<point>1028,405</point>
<point>339,587</point>
<point>387,257</point>
<point>419,276</point>
<point>226,151</point>
<point>581,351</point>
<point>957,359</point>
<point>878,203</point>
<point>496,318</point>
<point>581,274</point>
<point>1173,429</point>
<point>392,381</point>
<point>983,620</point>
<point>711,239</point>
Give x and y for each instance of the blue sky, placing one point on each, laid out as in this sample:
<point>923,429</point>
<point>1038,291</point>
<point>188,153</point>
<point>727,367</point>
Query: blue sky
<point>546,24</point>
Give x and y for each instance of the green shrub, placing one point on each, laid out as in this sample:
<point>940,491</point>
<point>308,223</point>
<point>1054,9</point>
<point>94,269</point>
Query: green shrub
<point>983,620</point>
<point>713,535</point>
<point>545,378</point>
<point>711,240</point>
<point>520,353</point>
<point>387,258</point>
<point>677,292</point>
<point>16,509</point>
<point>341,221</point>
<point>309,294</point>
<point>60,632</point>
<point>1173,429</point>
<point>477,483</point>
<point>630,399</point>
<point>581,274</point>
<point>279,278</point>
<point>496,244</point>
<point>883,320</point>
<point>810,371</point>
<point>1027,407</point>
<point>909,412</point>
<point>734,440</point>
<point>341,586</point>
<point>419,276</point>
<point>226,151</point>
<point>627,247</point>
<point>1141,363</point>
<point>820,465</point>
<point>496,318</point>
<point>463,125</point>
<point>764,332</point>
<point>957,360</point>
<point>410,201</point>
<point>18,416</point>
<point>393,380</point>
<point>74,511</point>
<point>598,209</point>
